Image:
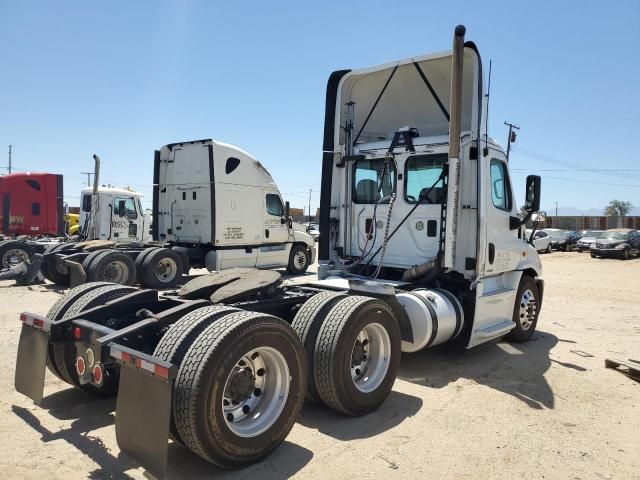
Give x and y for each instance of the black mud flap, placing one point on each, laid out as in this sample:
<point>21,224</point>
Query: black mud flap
<point>143,411</point>
<point>77,274</point>
<point>31,362</point>
<point>33,271</point>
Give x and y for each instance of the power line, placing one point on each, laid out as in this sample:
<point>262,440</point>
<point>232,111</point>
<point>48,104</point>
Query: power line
<point>586,181</point>
<point>573,165</point>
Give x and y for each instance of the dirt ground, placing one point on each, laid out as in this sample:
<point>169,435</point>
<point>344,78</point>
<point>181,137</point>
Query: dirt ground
<point>544,409</point>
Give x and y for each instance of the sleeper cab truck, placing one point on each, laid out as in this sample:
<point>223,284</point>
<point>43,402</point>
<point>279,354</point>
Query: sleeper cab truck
<point>31,205</point>
<point>408,262</point>
<point>214,207</point>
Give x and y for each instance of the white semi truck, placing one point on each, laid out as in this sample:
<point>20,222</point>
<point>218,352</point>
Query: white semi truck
<point>423,245</point>
<point>214,207</point>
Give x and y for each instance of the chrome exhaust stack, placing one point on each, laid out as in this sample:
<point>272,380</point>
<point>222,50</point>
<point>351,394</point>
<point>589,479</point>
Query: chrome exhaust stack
<point>453,181</point>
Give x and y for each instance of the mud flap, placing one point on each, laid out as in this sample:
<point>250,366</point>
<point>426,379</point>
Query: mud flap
<point>31,362</point>
<point>143,411</point>
<point>77,274</point>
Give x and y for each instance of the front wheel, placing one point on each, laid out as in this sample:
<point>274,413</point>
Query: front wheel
<point>625,255</point>
<point>298,260</point>
<point>525,310</point>
<point>548,250</point>
<point>567,248</point>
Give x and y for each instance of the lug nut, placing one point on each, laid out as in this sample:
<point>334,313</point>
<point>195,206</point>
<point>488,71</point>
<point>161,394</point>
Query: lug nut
<point>246,409</point>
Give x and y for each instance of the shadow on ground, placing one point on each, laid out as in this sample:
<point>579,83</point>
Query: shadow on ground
<point>395,409</point>
<point>89,414</point>
<point>516,369</point>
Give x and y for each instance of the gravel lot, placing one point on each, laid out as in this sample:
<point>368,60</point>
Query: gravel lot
<point>544,409</point>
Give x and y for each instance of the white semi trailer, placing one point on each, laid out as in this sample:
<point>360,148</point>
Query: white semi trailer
<point>214,207</point>
<point>423,245</point>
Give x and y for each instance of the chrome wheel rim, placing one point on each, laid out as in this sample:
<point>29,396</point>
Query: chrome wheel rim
<point>116,272</point>
<point>13,257</point>
<point>528,309</point>
<point>370,357</point>
<point>166,270</point>
<point>300,259</point>
<point>255,392</point>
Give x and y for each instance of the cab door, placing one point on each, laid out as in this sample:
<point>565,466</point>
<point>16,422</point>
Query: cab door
<point>276,240</point>
<point>504,248</point>
<point>124,219</point>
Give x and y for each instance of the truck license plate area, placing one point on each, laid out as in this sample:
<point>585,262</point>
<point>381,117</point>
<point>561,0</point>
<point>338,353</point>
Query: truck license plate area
<point>143,411</point>
<point>31,362</point>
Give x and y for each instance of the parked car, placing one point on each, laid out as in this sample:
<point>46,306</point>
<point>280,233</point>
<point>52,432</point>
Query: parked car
<point>617,242</point>
<point>588,237</point>
<point>314,230</point>
<point>541,240</point>
<point>565,240</point>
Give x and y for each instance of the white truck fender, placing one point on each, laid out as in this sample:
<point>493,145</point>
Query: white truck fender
<point>303,237</point>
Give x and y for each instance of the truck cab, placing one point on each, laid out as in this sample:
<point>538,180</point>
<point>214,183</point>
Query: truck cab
<point>119,215</point>
<point>416,194</point>
<point>219,198</point>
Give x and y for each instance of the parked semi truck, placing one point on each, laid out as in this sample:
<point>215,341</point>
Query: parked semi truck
<point>423,245</point>
<point>215,207</point>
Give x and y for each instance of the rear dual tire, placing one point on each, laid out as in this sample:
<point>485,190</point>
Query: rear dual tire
<point>62,356</point>
<point>357,355</point>
<point>254,360</point>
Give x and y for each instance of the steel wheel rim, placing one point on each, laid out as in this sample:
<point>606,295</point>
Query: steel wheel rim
<point>300,259</point>
<point>116,272</point>
<point>166,270</point>
<point>528,308</point>
<point>370,357</point>
<point>13,257</point>
<point>255,392</point>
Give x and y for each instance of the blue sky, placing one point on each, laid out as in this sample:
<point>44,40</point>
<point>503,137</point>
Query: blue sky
<point>123,78</point>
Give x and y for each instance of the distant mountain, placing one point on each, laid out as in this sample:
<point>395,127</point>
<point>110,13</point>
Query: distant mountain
<point>576,212</point>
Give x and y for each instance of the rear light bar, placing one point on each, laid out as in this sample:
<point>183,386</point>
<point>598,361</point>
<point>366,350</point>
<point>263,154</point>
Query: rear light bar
<point>141,361</point>
<point>35,321</point>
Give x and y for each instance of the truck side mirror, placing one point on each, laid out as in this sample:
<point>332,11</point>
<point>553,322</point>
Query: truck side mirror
<point>532,194</point>
<point>286,209</point>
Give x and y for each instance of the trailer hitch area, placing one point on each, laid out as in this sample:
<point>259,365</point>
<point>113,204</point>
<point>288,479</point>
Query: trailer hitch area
<point>143,408</point>
<point>32,356</point>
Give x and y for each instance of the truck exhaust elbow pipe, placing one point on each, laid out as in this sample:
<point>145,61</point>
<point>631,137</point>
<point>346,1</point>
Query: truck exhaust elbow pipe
<point>419,271</point>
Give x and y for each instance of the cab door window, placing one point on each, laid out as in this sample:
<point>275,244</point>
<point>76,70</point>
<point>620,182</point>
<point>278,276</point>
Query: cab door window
<point>274,205</point>
<point>500,187</point>
<point>125,207</point>
<point>368,175</point>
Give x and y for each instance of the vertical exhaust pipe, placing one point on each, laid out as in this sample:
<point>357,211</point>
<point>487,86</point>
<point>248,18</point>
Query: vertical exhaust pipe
<point>91,233</point>
<point>453,180</point>
<point>455,108</point>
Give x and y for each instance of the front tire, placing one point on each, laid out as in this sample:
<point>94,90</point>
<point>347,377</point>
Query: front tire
<point>525,310</point>
<point>548,250</point>
<point>299,260</point>
<point>357,355</point>
<point>240,389</point>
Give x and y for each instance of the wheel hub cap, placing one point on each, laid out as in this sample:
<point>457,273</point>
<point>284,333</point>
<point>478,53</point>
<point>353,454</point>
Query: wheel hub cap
<point>255,392</point>
<point>528,309</point>
<point>370,357</point>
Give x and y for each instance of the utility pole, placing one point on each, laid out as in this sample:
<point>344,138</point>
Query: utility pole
<point>511,137</point>
<point>556,209</point>
<point>309,205</point>
<point>10,158</point>
<point>88,174</point>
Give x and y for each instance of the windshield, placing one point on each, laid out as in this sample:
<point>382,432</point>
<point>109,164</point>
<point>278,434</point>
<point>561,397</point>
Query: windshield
<point>593,233</point>
<point>616,235</point>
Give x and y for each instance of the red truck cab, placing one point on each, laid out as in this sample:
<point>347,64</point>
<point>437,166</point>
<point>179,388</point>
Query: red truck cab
<point>31,204</point>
